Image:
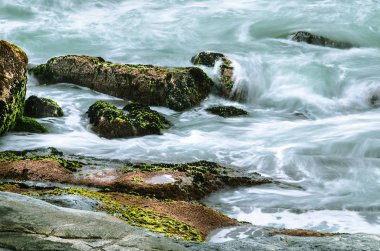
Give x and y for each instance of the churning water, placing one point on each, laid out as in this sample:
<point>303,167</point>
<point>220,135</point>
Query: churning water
<point>311,124</point>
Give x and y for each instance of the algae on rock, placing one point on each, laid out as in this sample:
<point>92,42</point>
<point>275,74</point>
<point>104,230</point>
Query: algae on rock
<point>13,80</point>
<point>176,88</point>
<point>110,122</point>
<point>226,70</point>
<point>42,107</point>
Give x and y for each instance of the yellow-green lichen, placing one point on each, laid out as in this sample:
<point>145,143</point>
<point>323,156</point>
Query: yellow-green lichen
<point>133,215</point>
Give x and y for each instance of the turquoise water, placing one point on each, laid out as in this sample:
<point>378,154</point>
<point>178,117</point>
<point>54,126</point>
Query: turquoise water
<point>327,161</point>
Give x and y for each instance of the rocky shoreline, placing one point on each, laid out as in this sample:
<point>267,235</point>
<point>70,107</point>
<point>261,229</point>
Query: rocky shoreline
<point>161,197</point>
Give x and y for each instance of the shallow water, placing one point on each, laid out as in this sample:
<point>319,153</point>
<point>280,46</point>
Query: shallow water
<point>327,160</point>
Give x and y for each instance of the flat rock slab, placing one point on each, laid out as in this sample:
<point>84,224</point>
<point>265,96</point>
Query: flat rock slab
<point>30,224</point>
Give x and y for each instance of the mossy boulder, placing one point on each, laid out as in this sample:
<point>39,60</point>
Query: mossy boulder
<point>25,124</point>
<point>307,37</point>
<point>227,111</point>
<point>13,79</point>
<point>209,59</point>
<point>110,122</point>
<point>42,107</point>
<point>176,88</point>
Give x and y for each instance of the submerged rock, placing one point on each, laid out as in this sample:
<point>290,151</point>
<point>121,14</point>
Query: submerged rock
<point>209,59</point>
<point>176,88</point>
<point>110,122</point>
<point>13,79</point>
<point>25,124</point>
<point>307,37</point>
<point>42,107</point>
<point>227,111</point>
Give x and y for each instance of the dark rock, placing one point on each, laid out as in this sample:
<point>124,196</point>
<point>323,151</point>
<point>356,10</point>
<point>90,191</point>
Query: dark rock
<point>226,70</point>
<point>304,36</point>
<point>13,79</point>
<point>227,111</point>
<point>176,88</point>
<point>42,107</point>
<point>110,122</point>
<point>25,124</point>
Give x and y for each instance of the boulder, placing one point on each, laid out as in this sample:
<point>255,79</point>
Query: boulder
<point>225,69</point>
<point>176,88</point>
<point>227,111</point>
<point>307,37</point>
<point>25,124</point>
<point>13,79</point>
<point>110,122</point>
<point>42,107</point>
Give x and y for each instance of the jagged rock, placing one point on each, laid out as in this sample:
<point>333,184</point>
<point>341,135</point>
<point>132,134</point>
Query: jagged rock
<point>307,37</point>
<point>42,107</point>
<point>110,122</point>
<point>209,59</point>
<point>13,79</point>
<point>25,124</point>
<point>176,88</point>
<point>227,111</point>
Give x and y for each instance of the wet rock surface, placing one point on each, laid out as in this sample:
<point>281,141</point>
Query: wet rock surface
<point>227,111</point>
<point>307,37</point>
<point>110,122</point>
<point>176,88</point>
<point>42,107</point>
<point>25,124</point>
<point>30,224</point>
<point>13,79</point>
<point>226,70</point>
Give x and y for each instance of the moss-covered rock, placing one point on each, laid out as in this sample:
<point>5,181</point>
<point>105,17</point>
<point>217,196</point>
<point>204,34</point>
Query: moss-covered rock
<point>227,111</point>
<point>209,59</point>
<point>26,124</point>
<point>307,37</point>
<point>176,88</point>
<point>42,107</point>
<point>13,79</point>
<point>110,122</point>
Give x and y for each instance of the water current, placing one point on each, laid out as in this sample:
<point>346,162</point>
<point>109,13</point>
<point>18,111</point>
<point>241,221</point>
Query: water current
<point>311,126</point>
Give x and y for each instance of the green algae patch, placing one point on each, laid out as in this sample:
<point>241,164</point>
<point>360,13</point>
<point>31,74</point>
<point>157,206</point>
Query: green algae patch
<point>42,107</point>
<point>227,111</point>
<point>26,124</point>
<point>13,79</point>
<point>139,120</point>
<point>10,156</point>
<point>133,215</point>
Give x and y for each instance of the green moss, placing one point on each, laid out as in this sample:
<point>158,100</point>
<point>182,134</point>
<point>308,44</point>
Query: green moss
<point>9,156</point>
<point>136,179</point>
<point>39,69</point>
<point>25,124</point>
<point>227,111</point>
<point>134,215</point>
<point>197,170</point>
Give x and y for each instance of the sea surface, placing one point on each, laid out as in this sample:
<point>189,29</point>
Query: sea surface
<point>314,112</point>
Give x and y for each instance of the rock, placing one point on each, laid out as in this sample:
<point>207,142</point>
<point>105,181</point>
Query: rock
<point>42,107</point>
<point>176,88</point>
<point>226,70</point>
<point>25,124</point>
<point>30,224</point>
<point>266,239</point>
<point>13,79</point>
<point>110,122</point>
<point>304,36</point>
<point>227,111</point>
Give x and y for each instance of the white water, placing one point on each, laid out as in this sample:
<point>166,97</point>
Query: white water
<point>328,164</point>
